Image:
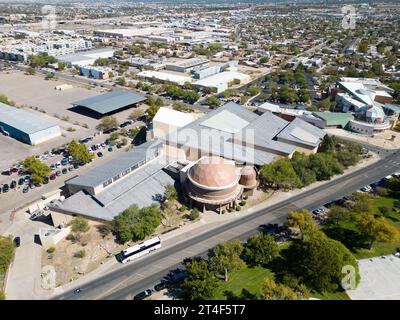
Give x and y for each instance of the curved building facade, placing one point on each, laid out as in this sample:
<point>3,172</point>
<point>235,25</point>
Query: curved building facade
<point>213,183</point>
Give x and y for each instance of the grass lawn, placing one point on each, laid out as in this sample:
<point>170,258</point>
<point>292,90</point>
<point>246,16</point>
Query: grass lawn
<point>247,278</point>
<point>342,295</point>
<point>347,232</point>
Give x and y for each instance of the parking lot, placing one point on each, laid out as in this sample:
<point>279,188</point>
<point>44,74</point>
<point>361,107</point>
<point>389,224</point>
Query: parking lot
<point>16,196</point>
<point>380,279</point>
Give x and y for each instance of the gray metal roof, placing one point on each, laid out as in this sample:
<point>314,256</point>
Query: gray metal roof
<point>111,168</point>
<point>110,101</point>
<point>302,132</point>
<point>141,188</point>
<point>22,120</point>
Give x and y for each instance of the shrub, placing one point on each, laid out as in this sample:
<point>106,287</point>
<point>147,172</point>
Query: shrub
<point>80,224</point>
<point>183,208</point>
<point>194,214</point>
<point>51,250</point>
<point>2,295</point>
<point>80,254</point>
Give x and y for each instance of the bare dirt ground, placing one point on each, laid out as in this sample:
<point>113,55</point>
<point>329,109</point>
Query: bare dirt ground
<point>97,249</point>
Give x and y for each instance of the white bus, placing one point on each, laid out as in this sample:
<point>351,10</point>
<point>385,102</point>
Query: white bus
<point>139,250</point>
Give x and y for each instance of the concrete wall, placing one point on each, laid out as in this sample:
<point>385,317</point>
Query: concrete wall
<point>53,238</point>
<point>60,218</point>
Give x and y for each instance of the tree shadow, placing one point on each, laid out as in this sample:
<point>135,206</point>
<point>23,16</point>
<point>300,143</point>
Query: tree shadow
<point>351,239</point>
<point>244,295</point>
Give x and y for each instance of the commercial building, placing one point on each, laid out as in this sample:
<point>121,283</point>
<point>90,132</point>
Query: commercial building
<point>186,65</point>
<point>95,72</point>
<point>86,58</point>
<point>234,133</point>
<point>164,76</point>
<point>108,103</point>
<point>168,120</point>
<point>130,33</point>
<point>135,177</point>
<point>26,126</point>
<point>366,98</point>
<point>220,81</point>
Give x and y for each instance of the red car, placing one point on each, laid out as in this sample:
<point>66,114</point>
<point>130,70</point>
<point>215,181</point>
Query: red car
<point>53,176</point>
<point>13,170</point>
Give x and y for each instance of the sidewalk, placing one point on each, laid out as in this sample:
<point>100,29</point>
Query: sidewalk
<point>210,220</point>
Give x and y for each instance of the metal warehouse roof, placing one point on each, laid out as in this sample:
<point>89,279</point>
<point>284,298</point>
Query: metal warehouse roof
<point>141,188</point>
<point>110,101</point>
<point>22,120</point>
<point>110,169</point>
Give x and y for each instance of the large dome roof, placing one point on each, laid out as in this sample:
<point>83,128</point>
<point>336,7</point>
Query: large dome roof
<point>214,172</point>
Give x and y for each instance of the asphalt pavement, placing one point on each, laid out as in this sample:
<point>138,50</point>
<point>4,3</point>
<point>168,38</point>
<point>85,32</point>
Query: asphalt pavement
<point>144,273</point>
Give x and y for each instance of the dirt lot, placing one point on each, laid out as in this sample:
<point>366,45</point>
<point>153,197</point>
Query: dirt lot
<point>70,267</point>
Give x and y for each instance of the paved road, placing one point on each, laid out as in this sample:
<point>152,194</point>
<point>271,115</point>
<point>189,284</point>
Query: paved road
<point>144,273</point>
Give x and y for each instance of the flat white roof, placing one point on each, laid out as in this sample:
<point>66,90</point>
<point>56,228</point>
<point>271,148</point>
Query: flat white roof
<point>219,79</point>
<point>165,76</point>
<point>173,117</point>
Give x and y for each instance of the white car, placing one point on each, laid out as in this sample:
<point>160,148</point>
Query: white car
<point>396,174</point>
<point>366,189</point>
<point>388,177</point>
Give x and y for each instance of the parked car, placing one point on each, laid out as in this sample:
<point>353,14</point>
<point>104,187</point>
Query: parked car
<point>58,173</point>
<point>178,276</point>
<point>32,185</point>
<point>110,149</point>
<point>64,171</point>
<point>13,184</point>
<point>17,241</point>
<point>162,285</point>
<point>6,188</point>
<point>76,166</point>
<point>52,166</point>
<point>53,176</point>
<point>64,161</point>
<point>142,295</point>
<point>27,179</point>
<point>366,189</point>
<point>71,168</point>
<point>99,154</point>
<point>25,189</point>
<point>35,215</point>
<point>21,181</point>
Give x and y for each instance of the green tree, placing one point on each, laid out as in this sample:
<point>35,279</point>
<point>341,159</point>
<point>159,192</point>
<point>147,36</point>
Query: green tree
<point>318,261</point>
<point>303,221</point>
<point>377,229</point>
<point>225,258</point>
<point>170,193</point>
<point>201,283</point>
<point>280,174</point>
<point>38,170</point>
<point>301,165</point>
<point>325,166</point>
<point>151,112</point>
<point>261,249</point>
<point>79,152</point>
<point>134,223</point>
<point>213,101</point>
<point>107,123</point>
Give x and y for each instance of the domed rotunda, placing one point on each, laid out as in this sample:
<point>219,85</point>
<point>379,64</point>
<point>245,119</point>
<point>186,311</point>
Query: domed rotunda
<point>213,183</point>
